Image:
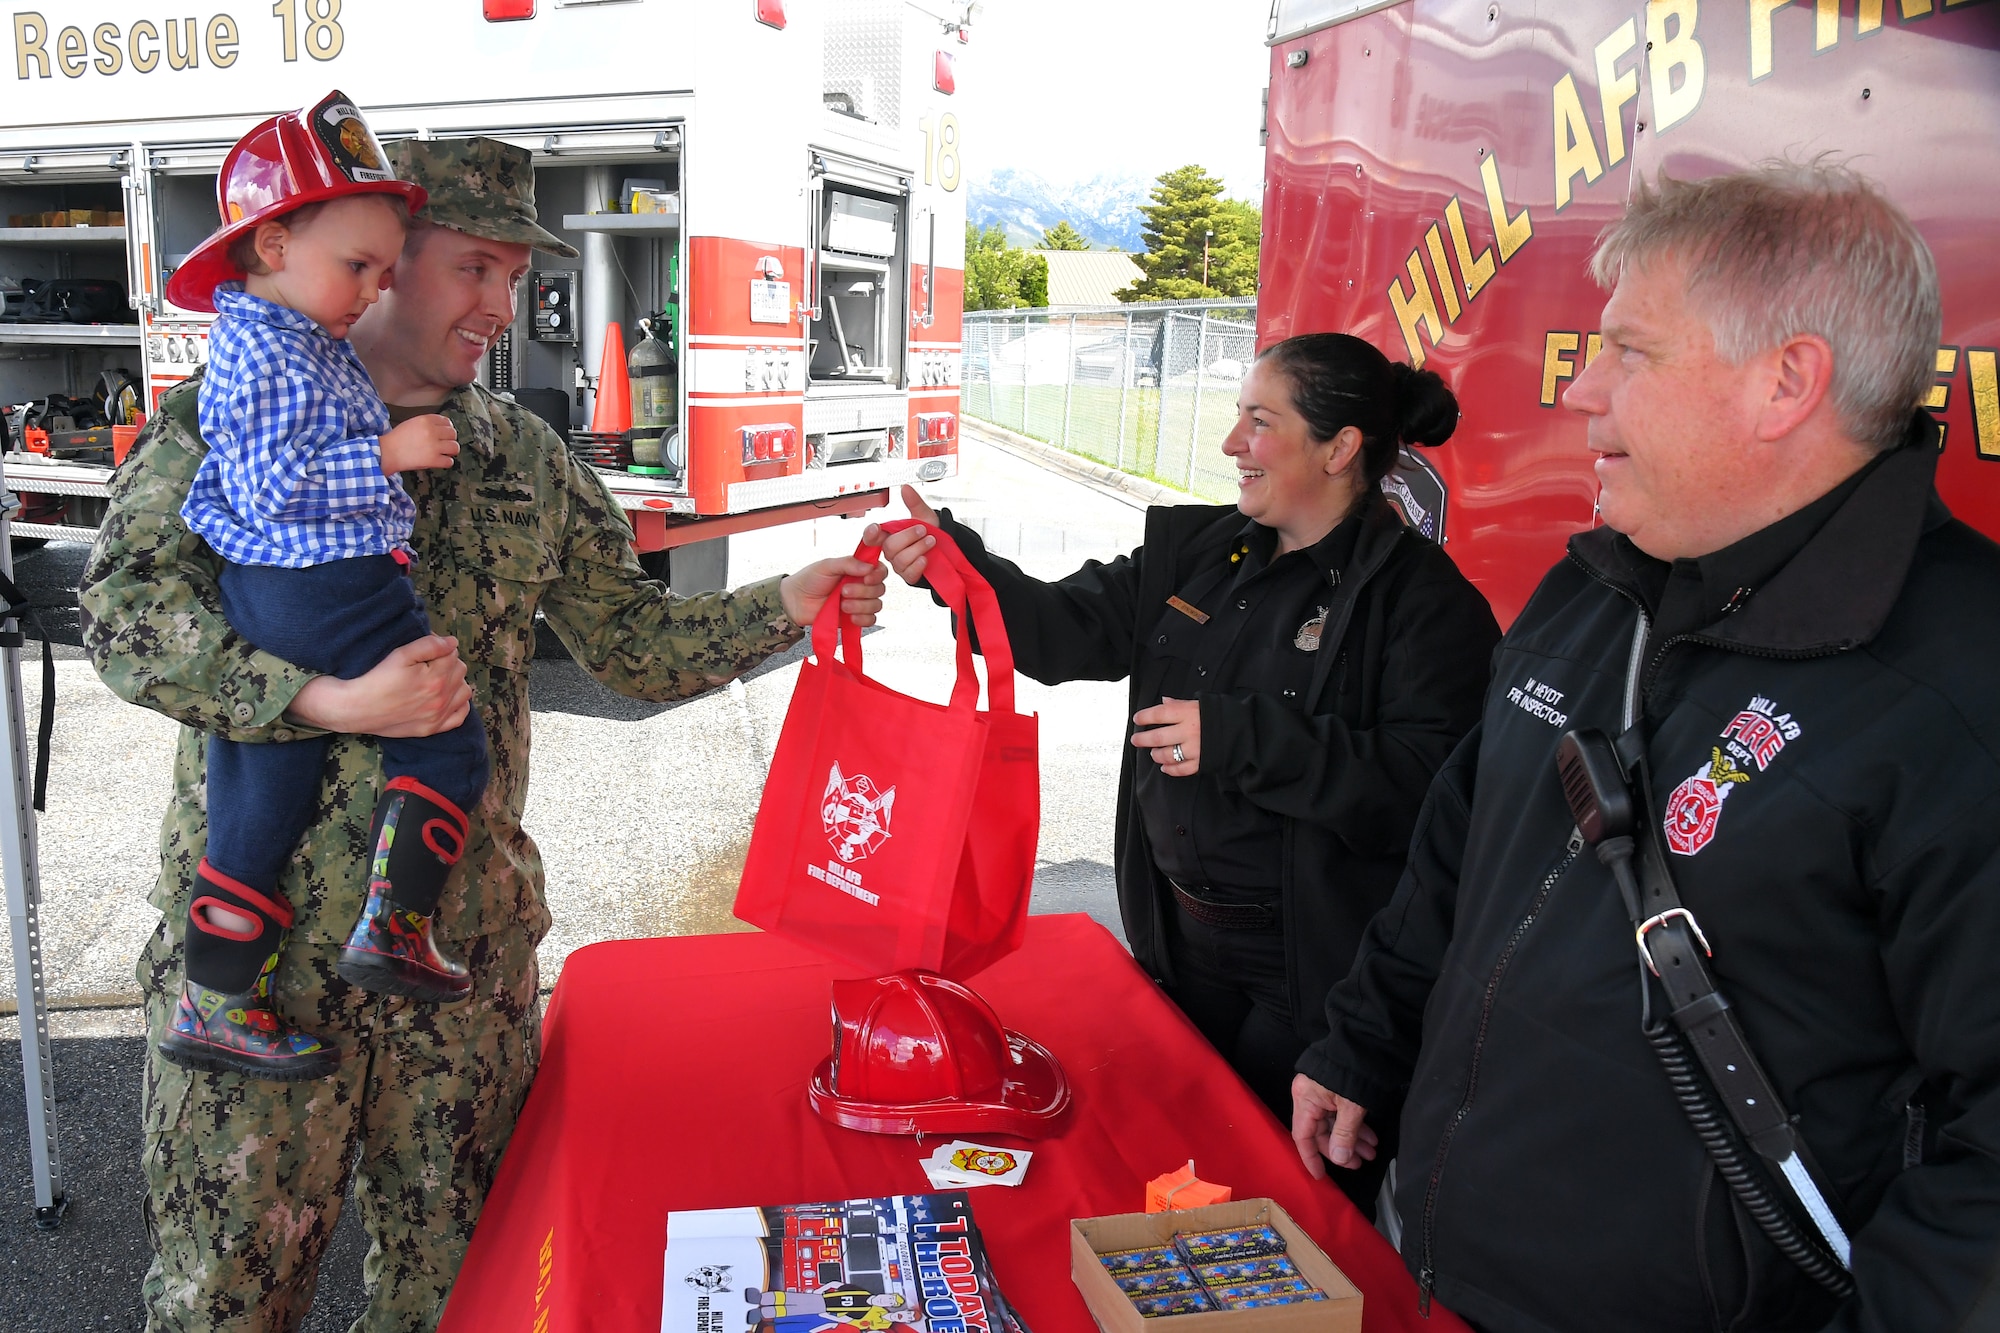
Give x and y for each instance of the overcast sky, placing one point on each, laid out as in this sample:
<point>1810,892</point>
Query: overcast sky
<point>1070,88</point>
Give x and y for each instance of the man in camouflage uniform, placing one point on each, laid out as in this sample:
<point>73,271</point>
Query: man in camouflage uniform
<point>245,1178</point>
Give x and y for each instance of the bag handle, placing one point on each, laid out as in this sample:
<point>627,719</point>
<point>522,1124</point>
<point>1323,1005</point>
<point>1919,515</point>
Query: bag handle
<point>950,585</point>
<point>965,690</point>
<point>984,605</point>
<point>971,600</point>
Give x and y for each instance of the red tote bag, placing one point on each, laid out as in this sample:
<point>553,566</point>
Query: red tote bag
<point>896,833</point>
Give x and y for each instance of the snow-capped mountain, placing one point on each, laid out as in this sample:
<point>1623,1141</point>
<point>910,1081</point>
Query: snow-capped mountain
<point>1104,208</point>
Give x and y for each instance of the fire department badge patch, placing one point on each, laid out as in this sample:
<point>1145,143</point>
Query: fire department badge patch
<point>855,815</point>
<point>1755,736</point>
<point>1307,639</point>
<point>1696,805</point>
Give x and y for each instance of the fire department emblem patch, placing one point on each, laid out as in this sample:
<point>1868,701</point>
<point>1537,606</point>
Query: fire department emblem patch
<point>1307,639</point>
<point>1754,738</point>
<point>1695,808</point>
<point>855,815</point>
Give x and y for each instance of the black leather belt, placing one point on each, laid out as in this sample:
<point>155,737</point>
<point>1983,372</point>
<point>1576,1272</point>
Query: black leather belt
<point>1223,916</point>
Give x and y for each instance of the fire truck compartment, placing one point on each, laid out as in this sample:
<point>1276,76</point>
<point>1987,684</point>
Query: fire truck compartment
<point>862,263</point>
<point>57,222</point>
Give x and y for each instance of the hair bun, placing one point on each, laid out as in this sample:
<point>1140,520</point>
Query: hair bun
<point>1426,411</point>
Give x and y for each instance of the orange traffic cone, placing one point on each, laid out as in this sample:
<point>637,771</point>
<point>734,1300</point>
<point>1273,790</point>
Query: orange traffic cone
<point>613,412</point>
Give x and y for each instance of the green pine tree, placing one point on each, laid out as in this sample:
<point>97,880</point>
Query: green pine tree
<point>1000,275</point>
<point>1062,236</point>
<point>1188,212</point>
<point>1033,285</point>
<point>1233,254</point>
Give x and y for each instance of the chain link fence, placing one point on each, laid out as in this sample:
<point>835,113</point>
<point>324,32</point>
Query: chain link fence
<point>1149,389</point>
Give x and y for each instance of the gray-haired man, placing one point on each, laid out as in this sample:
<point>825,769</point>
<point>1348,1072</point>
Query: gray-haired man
<point>245,1178</point>
<point>1794,644</point>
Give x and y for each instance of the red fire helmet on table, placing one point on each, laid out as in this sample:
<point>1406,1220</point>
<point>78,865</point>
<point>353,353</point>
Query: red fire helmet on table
<point>914,1053</point>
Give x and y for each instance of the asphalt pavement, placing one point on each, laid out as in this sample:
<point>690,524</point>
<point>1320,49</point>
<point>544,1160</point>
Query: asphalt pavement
<point>642,812</point>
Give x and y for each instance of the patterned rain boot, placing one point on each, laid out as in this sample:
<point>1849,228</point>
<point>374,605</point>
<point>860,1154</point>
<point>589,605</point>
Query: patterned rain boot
<point>418,837</point>
<point>225,1019</point>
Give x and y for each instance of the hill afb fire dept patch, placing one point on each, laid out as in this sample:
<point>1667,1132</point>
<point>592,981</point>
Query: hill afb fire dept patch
<point>1754,737</point>
<point>855,815</point>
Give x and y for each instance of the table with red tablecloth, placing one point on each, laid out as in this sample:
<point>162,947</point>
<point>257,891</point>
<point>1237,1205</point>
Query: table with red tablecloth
<point>674,1076</point>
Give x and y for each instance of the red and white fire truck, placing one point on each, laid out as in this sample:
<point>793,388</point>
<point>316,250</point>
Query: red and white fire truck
<point>775,184</point>
<point>1437,171</point>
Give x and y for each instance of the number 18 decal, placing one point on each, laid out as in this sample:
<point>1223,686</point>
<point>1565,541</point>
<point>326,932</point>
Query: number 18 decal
<point>941,151</point>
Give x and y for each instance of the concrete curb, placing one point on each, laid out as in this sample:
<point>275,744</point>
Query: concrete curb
<point>1139,492</point>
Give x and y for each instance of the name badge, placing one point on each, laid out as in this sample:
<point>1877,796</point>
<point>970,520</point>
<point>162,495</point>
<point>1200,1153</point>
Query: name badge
<point>1189,609</point>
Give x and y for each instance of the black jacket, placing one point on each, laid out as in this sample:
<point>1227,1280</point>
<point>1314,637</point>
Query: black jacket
<point>1402,667</point>
<point>1849,885</point>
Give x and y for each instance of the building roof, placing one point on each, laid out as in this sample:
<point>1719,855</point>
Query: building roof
<point>1088,277</point>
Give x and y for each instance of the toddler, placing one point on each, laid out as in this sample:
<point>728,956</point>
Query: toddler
<point>299,496</point>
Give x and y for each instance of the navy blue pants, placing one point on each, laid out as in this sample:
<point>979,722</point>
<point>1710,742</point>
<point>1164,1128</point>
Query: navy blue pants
<point>338,619</point>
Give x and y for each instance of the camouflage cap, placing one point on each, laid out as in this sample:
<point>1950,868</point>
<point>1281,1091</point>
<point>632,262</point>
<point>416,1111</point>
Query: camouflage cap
<point>479,186</point>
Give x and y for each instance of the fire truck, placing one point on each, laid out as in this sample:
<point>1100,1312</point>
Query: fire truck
<point>774,186</point>
<point>1437,172</point>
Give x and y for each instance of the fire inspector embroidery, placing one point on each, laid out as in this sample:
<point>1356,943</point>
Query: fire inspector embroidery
<point>855,815</point>
<point>1755,736</point>
<point>1539,699</point>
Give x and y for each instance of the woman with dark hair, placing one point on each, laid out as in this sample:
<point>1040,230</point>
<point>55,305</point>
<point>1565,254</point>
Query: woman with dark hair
<point>1301,664</point>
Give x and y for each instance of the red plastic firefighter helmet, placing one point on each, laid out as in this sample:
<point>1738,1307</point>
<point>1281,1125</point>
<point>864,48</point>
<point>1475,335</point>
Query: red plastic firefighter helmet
<point>916,1054</point>
<point>289,161</point>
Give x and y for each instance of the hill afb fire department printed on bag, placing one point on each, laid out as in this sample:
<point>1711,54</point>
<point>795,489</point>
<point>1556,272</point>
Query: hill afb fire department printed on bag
<point>855,816</point>
<point>1755,736</point>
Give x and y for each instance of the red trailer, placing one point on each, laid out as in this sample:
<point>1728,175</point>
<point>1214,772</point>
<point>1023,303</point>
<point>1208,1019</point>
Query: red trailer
<point>1437,171</point>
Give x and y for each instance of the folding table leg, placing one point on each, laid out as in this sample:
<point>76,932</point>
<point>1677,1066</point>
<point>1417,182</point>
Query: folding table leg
<point>24,900</point>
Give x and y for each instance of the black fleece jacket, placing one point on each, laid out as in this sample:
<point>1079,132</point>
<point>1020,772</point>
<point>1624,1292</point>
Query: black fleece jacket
<point>1826,764</point>
<point>1402,667</point>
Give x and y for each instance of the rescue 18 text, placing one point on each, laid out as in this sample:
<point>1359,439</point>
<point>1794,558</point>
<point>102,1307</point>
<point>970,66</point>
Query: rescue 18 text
<point>42,51</point>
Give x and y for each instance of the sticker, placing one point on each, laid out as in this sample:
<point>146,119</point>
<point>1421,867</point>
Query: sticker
<point>962,1163</point>
<point>770,302</point>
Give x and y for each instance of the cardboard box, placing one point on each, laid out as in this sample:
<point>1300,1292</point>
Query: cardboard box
<point>1089,1237</point>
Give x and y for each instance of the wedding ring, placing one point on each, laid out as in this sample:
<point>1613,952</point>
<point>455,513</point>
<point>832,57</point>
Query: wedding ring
<point>1179,758</point>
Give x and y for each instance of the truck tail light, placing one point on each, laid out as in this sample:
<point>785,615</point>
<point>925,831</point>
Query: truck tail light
<point>769,444</point>
<point>944,76</point>
<point>500,11</point>
<point>936,427</point>
<point>771,13</point>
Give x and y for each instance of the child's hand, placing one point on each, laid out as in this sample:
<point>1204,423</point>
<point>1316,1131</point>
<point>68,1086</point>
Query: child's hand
<point>426,441</point>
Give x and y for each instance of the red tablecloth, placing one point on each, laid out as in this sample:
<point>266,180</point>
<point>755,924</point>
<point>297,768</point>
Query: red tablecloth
<point>674,1073</point>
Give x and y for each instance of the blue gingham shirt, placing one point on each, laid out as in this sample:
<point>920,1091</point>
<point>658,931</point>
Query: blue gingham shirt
<point>293,475</point>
